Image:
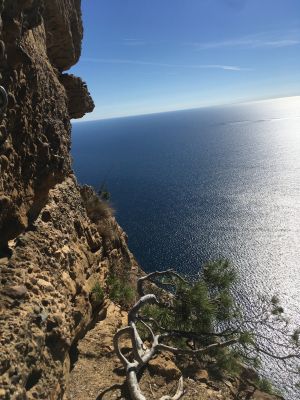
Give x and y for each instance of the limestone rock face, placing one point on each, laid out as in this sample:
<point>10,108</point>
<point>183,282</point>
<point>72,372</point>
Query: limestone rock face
<point>79,102</point>
<point>38,39</point>
<point>64,32</point>
<point>51,253</point>
<point>45,294</point>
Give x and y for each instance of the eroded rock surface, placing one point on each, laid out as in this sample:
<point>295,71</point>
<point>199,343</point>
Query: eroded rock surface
<point>38,40</point>
<point>45,292</point>
<point>51,254</point>
<point>64,32</point>
<point>79,101</point>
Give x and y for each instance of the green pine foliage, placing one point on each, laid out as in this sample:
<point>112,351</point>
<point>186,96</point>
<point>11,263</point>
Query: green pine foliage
<point>204,312</point>
<point>199,306</point>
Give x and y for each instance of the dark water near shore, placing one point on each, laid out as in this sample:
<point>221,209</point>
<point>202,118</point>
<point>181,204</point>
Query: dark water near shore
<point>196,185</point>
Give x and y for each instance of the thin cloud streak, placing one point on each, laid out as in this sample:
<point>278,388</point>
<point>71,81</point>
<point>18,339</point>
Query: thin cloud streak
<point>164,65</point>
<point>247,42</point>
<point>133,42</point>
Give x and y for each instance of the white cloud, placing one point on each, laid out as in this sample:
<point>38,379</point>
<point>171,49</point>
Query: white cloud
<point>164,65</point>
<point>251,42</point>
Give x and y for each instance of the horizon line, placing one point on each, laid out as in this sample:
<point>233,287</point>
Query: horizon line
<point>233,103</point>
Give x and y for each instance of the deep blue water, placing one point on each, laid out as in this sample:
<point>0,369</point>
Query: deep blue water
<point>195,185</point>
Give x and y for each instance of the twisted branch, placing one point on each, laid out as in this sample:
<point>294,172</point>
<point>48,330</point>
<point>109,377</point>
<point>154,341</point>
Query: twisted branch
<point>150,277</point>
<point>143,354</point>
<point>231,334</point>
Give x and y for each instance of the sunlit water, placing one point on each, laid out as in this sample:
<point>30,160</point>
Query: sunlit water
<point>197,185</point>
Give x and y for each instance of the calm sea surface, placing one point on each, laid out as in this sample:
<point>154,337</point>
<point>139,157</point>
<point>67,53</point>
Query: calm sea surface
<point>196,185</point>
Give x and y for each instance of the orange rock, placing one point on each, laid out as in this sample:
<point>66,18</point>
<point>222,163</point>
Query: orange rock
<point>201,375</point>
<point>163,365</point>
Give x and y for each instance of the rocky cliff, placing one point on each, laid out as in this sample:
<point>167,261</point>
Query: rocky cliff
<point>51,253</point>
<point>39,40</point>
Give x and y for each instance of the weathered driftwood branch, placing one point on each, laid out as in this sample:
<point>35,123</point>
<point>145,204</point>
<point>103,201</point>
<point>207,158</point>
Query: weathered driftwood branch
<point>142,354</point>
<point>252,335</point>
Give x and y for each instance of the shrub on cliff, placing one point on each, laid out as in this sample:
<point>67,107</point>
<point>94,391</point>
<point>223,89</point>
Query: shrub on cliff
<point>103,193</point>
<point>97,294</point>
<point>100,213</point>
<point>120,291</point>
<point>97,209</point>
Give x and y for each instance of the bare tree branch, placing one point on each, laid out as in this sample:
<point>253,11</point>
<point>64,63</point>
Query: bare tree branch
<point>176,350</point>
<point>179,393</point>
<point>155,274</point>
<point>237,331</point>
<point>145,299</point>
<point>116,340</point>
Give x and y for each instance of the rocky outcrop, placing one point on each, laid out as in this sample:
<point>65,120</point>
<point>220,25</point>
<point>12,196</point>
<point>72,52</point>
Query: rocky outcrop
<point>79,102</point>
<point>46,294</point>
<point>64,32</point>
<point>51,254</point>
<point>38,40</point>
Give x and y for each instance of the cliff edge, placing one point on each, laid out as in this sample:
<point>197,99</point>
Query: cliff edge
<point>51,253</point>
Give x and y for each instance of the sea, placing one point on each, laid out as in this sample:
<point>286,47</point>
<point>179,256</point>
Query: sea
<point>197,185</point>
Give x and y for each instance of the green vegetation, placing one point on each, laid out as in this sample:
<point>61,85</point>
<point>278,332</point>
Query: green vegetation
<point>202,324</point>
<point>97,293</point>
<point>97,208</point>
<point>200,306</point>
<point>265,386</point>
<point>103,193</point>
<point>120,291</point>
<point>204,312</point>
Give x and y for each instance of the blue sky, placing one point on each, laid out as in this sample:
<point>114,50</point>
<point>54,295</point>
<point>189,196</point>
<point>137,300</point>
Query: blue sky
<point>144,56</point>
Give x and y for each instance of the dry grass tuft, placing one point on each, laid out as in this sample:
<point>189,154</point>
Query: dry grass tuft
<point>96,209</point>
<point>101,214</point>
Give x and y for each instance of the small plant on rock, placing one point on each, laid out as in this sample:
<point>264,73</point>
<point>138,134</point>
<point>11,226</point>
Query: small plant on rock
<point>103,193</point>
<point>120,291</point>
<point>97,293</point>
